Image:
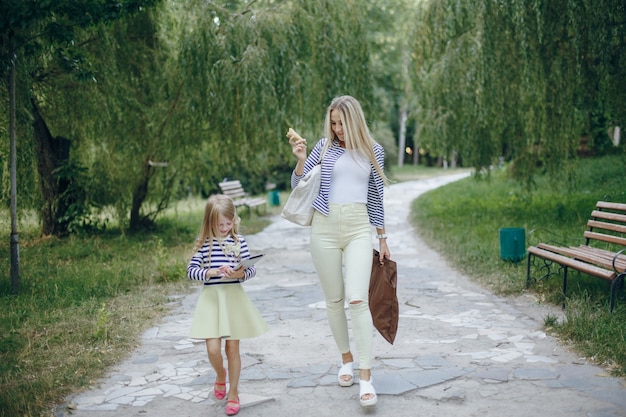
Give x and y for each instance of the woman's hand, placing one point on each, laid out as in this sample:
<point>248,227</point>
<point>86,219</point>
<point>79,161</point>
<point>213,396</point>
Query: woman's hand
<point>298,144</point>
<point>384,250</point>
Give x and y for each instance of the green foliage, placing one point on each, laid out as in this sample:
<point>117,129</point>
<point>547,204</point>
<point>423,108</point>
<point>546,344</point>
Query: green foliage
<point>169,100</point>
<point>462,220</point>
<point>209,88</point>
<point>103,323</point>
<point>250,73</point>
<point>523,80</point>
<point>55,73</point>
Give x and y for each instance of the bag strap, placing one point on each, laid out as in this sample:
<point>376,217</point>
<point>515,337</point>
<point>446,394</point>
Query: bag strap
<point>324,148</point>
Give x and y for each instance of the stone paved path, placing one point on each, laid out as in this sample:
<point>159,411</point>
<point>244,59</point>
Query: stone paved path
<point>460,350</point>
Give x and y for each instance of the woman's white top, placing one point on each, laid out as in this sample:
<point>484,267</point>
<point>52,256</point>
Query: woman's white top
<point>350,179</point>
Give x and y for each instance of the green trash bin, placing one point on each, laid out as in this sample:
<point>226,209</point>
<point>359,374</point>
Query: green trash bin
<point>512,244</point>
<point>274,197</point>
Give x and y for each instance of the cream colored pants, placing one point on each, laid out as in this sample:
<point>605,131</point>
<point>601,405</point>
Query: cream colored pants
<point>344,239</point>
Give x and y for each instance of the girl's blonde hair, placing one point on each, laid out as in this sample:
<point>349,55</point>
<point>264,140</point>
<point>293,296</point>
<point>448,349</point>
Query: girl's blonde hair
<point>356,133</point>
<point>216,205</point>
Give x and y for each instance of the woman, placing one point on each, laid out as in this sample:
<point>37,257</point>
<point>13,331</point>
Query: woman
<point>349,201</point>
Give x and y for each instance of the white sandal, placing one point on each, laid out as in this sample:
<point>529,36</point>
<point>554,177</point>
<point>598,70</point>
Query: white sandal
<point>366,387</point>
<point>347,369</point>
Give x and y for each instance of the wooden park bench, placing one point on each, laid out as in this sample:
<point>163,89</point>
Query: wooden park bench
<point>602,254</point>
<point>234,190</point>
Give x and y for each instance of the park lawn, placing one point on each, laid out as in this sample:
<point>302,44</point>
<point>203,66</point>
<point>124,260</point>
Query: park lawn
<point>462,221</point>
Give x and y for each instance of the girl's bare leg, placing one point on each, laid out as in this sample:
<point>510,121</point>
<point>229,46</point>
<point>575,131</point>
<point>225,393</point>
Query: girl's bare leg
<point>234,368</point>
<point>214,350</point>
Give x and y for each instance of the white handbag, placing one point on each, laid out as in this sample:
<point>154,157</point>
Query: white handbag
<point>299,206</point>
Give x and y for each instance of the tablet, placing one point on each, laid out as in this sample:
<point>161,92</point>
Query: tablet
<point>248,262</point>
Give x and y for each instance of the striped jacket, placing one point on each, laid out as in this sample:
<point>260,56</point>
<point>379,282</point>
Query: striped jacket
<point>200,263</point>
<point>375,187</point>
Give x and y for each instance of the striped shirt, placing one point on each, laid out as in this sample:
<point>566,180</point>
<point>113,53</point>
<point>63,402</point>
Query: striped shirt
<point>222,253</point>
<point>375,186</point>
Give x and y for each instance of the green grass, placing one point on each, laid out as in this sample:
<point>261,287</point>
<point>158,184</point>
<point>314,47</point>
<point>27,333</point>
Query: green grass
<point>462,221</point>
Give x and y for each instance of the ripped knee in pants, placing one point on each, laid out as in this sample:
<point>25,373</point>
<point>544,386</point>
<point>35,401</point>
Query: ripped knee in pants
<point>335,304</point>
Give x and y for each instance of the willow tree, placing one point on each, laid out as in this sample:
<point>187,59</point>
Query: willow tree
<point>390,24</point>
<point>131,151</point>
<point>445,70</point>
<point>49,45</point>
<point>251,71</point>
<point>526,50</point>
<point>519,79</point>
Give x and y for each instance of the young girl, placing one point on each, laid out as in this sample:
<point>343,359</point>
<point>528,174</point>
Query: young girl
<point>224,310</point>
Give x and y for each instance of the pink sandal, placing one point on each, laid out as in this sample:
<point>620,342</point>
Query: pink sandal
<point>219,389</point>
<point>232,407</point>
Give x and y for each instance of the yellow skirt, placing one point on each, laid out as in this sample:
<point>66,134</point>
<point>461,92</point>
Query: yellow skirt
<point>225,311</point>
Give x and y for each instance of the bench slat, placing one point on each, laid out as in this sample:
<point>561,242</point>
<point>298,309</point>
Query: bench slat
<point>621,259</point>
<point>611,206</point>
<point>607,226</point>
<point>234,190</point>
<point>573,263</point>
<point>255,202</point>
<point>606,215</point>
<point>606,238</point>
<point>588,254</point>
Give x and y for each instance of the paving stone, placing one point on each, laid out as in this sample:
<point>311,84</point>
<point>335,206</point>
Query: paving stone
<point>302,382</point>
<point>606,413</point>
<point>319,369</point>
<point>249,400</point>
<point>430,377</point>
<point>538,359</point>
<point>328,380</point>
<point>614,396</point>
<point>431,361</point>
<point>500,375</point>
<point>121,391</point>
<point>253,375</point>
<point>399,363</point>
<point>150,333</point>
<point>534,373</point>
<point>277,374</point>
<point>120,378</point>
<point>392,384</point>
<point>203,380</point>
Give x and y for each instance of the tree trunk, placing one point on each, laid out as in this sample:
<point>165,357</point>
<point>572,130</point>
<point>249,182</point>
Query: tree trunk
<point>402,136</point>
<point>137,221</point>
<point>15,246</point>
<point>51,153</point>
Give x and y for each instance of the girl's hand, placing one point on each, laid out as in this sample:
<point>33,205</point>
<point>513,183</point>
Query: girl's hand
<point>229,272</point>
<point>298,144</point>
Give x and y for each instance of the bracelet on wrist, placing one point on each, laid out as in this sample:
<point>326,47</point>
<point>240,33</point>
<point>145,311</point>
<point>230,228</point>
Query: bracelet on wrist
<point>382,236</point>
